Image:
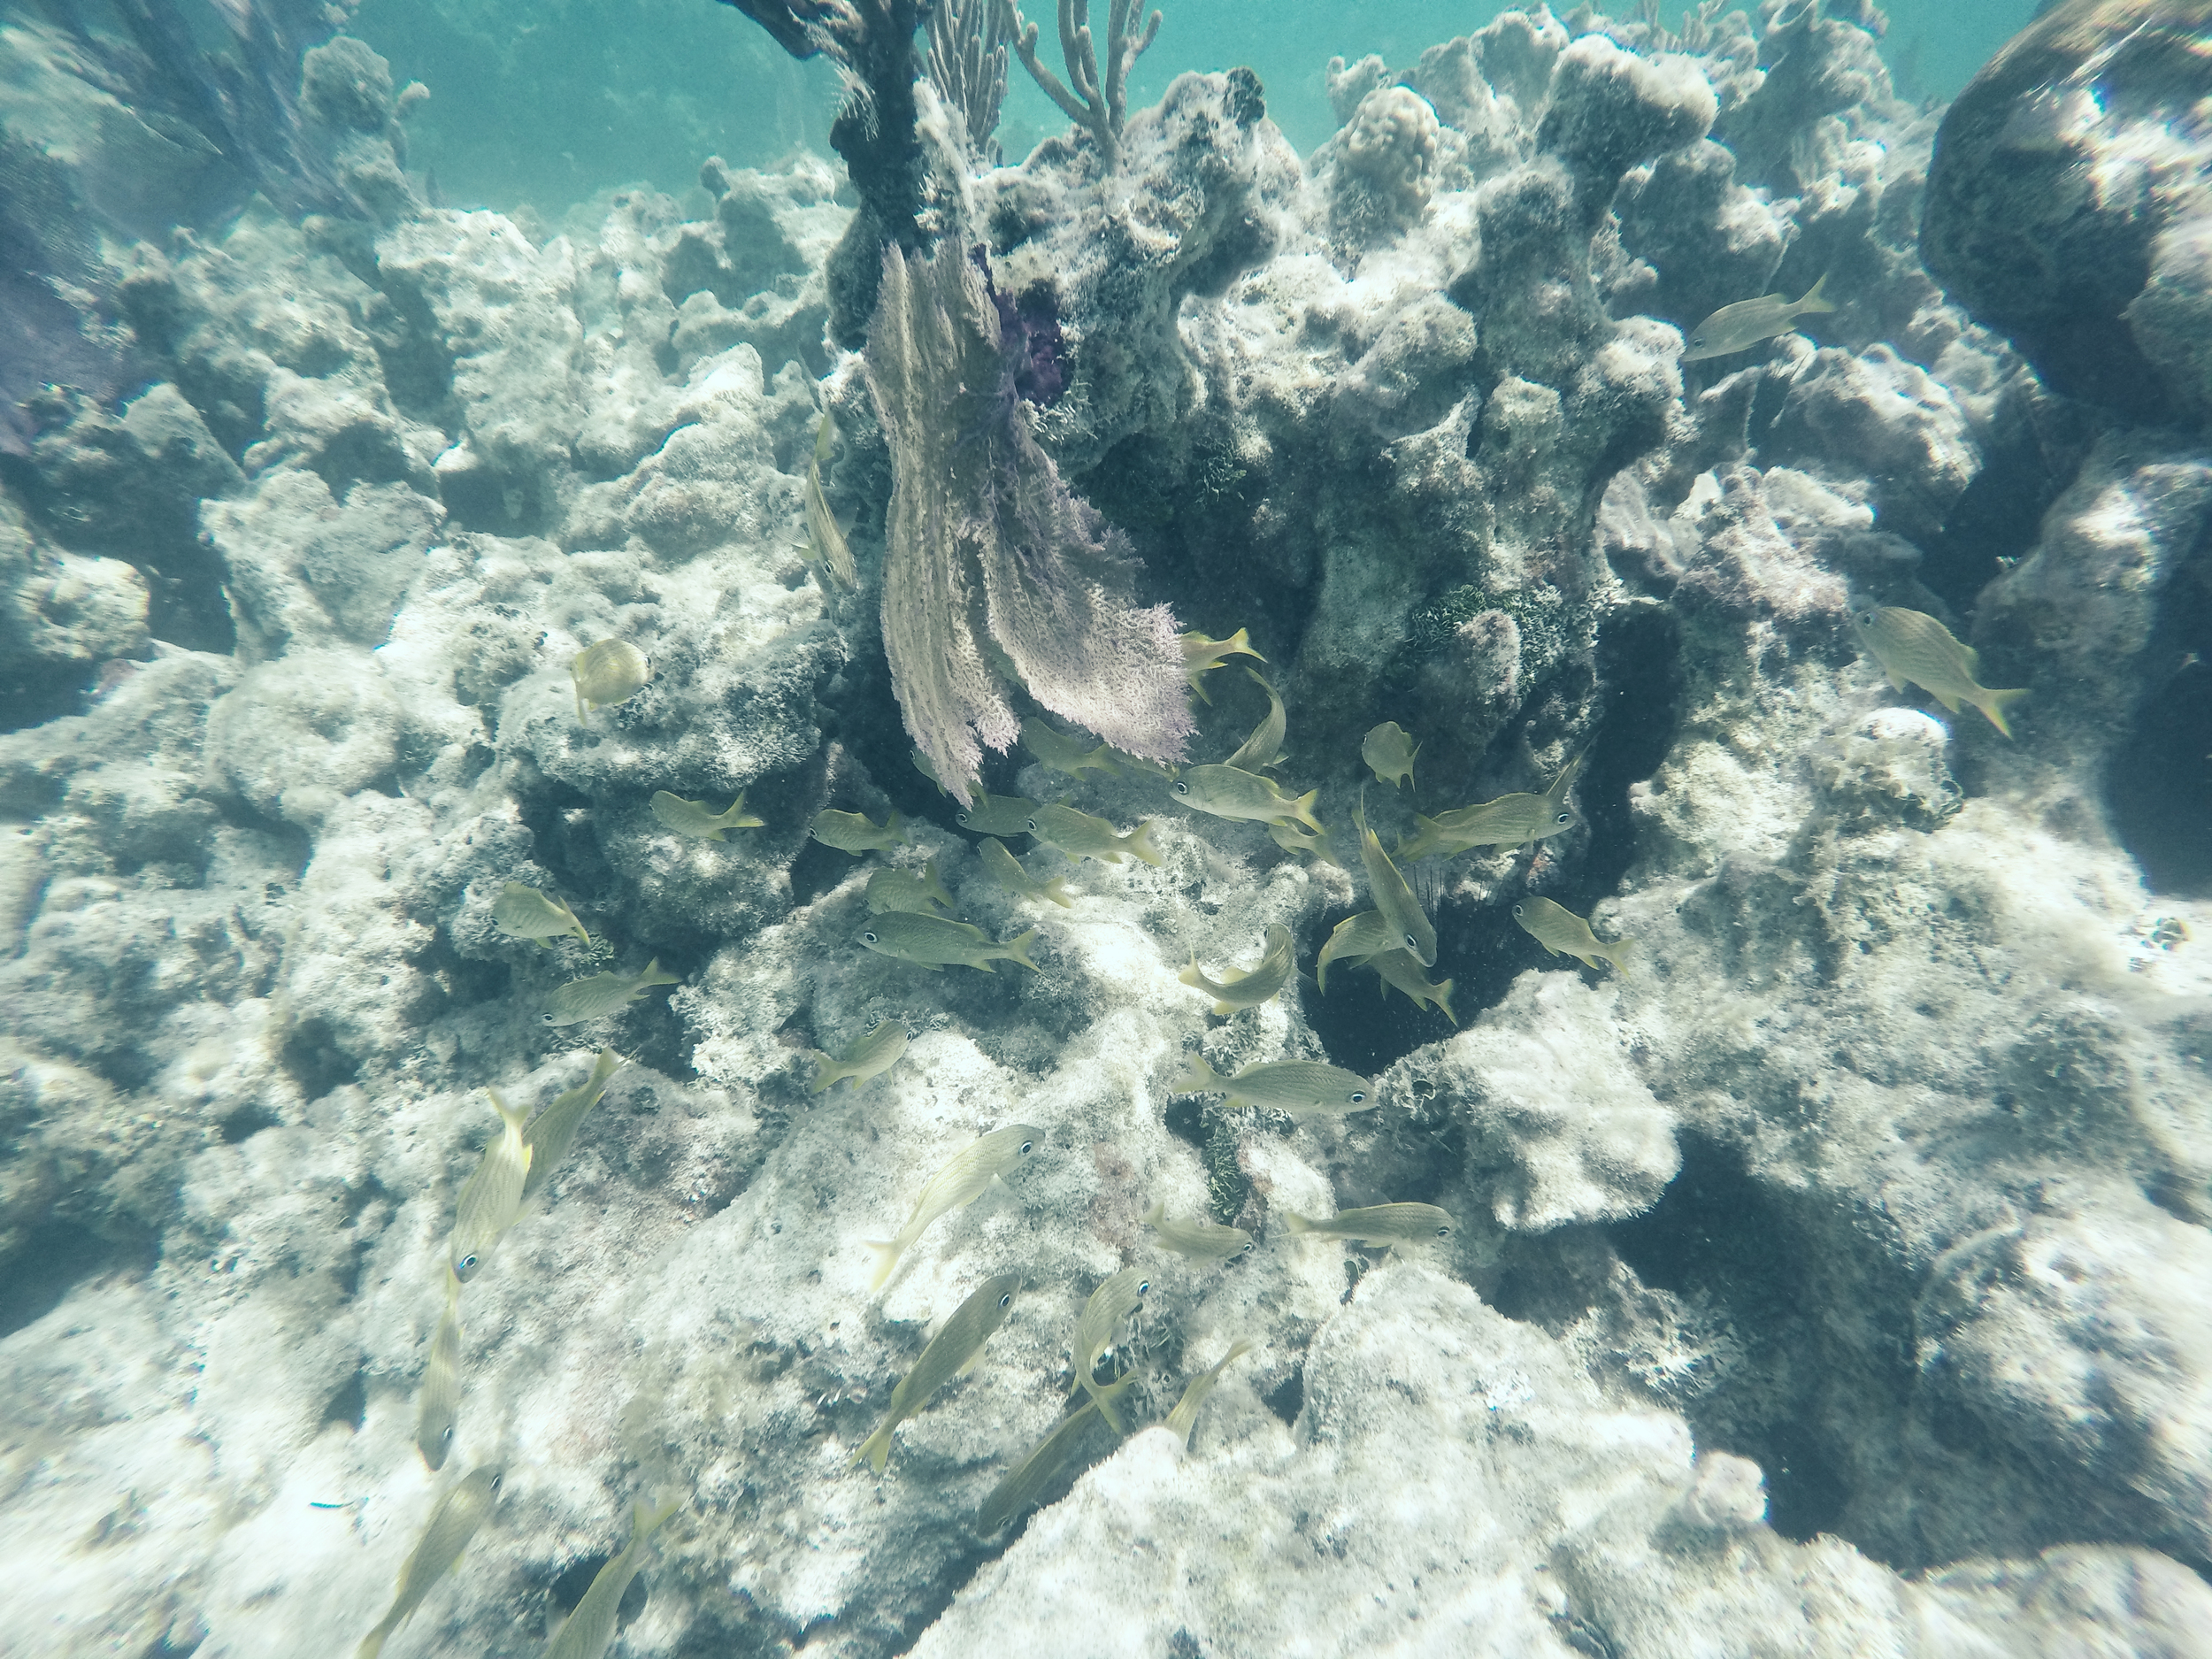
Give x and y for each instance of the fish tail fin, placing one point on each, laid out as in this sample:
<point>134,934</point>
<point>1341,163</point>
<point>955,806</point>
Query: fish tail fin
<point>1198,1077</point>
<point>1104,1398</point>
<point>1444,1001</point>
<point>1321,970</point>
<point>1997,704</point>
<point>875,1451</point>
<point>1294,1223</point>
<point>1241,640</point>
<point>1152,1217</point>
<point>1139,841</point>
<point>646,1520</point>
<point>1199,688</point>
<point>513,1117</point>
<point>1190,975</point>
<point>1016,949</point>
<point>1223,1010</point>
<point>1055,888</point>
<point>1815,299</point>
<point>887,1253</point>
<point>1617,953</point>
<point>896,828</point>
<point>1302,809</point>
<point>829,1077</point>
<point>373,1644</point>
<point>654,976</point>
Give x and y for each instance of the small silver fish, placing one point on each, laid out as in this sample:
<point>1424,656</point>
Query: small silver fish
<point>1202,655</point>
<point>438,1402</point>
<point>1264,748</point>
<point>963,1180</point>
<point>997,815</point>
<point>1910,645</point>
<point>1378,1224</point>
<point>1080,835</point>
<point>1225,792</point>
<point>1117,1296</point>
<point>1388,751</point>
<point>1236,988</point>
<point>1058,752</point>
<point>1184,1418</point>
<point>1561,932</point>
<point>464,1508</point>
<point>1395,898</point>
<point>607,673</point>
<point>602,994</point>
<point>1355,939</point>
<point>1403,969</point>
<point>492,1197</point>
<point>1748,322</point>
<point>1027,1480</point>
<point>856,833</point>
<point>936,941</point>
<point>1003,867</point>
<point>553,1131</point>
<point>526,913</point>
<point>951,1353</point>
<point>870,1057</point>
<point>1511,820</point>
<point>697,819</point>
<point>1304,1088</point>
<point>1197,1240</point>
<point>590,1628</point>
<point>826,547</point>
<point>891,888</point>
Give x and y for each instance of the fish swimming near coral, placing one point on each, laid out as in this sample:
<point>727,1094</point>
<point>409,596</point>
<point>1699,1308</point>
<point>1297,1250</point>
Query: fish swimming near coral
<point>1080,835</point>
<point>602,994</point>
<point>1048,1460</point>
<point>1511,820</point>
<point>856,833</point>
<point>492,1196</point>
<point>608,673</point>
<point>1408,924</point>
<point>1388,751</point>
<point>1184,1418</point>
<point>1058,752</point>
<point>1003,867</point>
<point>1378,1224</point>
<point>1264,748</point>
<point>997,815</point>
<point>1304,1088</point>
<point>1355,939</point>
<point>1910,645</point>
<point>1291,838</point>
<point>526,913</point>
<point>1225,792</point>
<point>918,891</point>
<point>826,547</point>
<point>937,941</point>
<point>1734,327</point>
<point>700,821</point>
<point>1195,1240</point>
<point>1403,969</point>
<point>1238,990</point>
<point>464,1508</point>
<point>438,1401</point>
<point>871,1056</point>
<point>964,1179</point>
<point>591,1627</point>
<point>1117,1296</point>
<point>1561,932</point>
<point>553,1131</point>
<point>952,1351</point>
<point>1202,655</point>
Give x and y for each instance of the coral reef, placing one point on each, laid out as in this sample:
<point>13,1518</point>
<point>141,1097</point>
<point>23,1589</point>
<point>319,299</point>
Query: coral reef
<point>1822,1276</point>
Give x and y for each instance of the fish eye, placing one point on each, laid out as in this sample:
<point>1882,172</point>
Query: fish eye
<point>913,1036</point>
<point>1025,1145</point>
<point>1006,1299</point>
<point>1032,826</point>
<point>448,1435</point>
<point>467,1264</point>
<point>1443,1232</point>
<point>1144,1284</point>
<point>1250,1245</point>
<point>498,1481</point>
<point>868,938</point>
<point>1181,788</point>
<point>1358,1095</point>
<point>546,1018</point>
<point>1411,942</point>
<point>1516,909</point>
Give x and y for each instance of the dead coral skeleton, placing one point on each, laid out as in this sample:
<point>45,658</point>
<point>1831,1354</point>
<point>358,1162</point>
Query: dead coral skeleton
<point>991,562</point>
<point>1100,102</point>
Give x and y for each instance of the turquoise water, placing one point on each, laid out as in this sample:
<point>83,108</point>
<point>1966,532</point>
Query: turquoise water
<point>550,104</point>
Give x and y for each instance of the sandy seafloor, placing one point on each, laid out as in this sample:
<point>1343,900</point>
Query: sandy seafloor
<point>1830,1282</point>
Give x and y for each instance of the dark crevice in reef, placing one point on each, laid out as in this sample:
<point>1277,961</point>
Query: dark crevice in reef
<point>349,1403</point>
<point>53,1260</point>
<point>41,689</point>
<point>2035,446</point>
<point>2159,788</point>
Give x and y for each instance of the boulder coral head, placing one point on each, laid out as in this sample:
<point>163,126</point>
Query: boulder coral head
<point>991,562</point>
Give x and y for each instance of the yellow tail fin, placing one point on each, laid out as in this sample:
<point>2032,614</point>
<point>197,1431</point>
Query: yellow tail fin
<point>1997,702</point>
<point>1016,949</point>
<point>1294,1223</point>
<point>1198,1078</point>
<point>887,1253</point>
<point>1139,841</point>
<point>1813,301</point>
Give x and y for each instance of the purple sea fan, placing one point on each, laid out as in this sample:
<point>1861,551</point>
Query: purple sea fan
<point>991,564</point>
